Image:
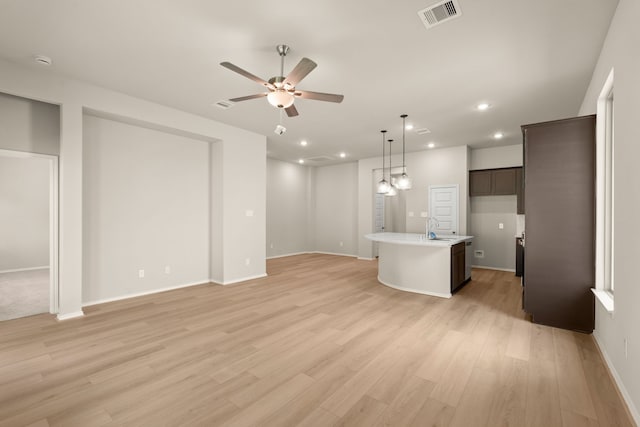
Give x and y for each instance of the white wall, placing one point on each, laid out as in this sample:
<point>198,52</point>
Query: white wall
<point>24,209</point>
<point>28,125</point>
<point>73,97</point>
<point>146,206</point>
<point>336,201</point>
<point>243,176</point>
<point>487,212</point>
<point>499,245</point>
<point>620,53</point>
<point>496,157</point>
<point>431,167</point>
<point>288,195</point>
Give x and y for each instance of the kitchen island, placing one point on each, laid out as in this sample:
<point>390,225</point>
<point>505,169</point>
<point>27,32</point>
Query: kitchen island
<point>411,262</point>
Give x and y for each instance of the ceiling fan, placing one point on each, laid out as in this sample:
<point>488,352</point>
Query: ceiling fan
<point>282,90</point>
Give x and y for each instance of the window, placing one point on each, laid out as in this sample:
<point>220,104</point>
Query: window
<point>605,284</point>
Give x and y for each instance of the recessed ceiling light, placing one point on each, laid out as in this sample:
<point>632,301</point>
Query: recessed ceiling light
<point>498,135</point>
<point>42,60</point>
<point>343,155</point>
<point>303,143</point>
<point>409,126</point>
<point>301,161</point>
<point>431,145</point>
<point>482,106</point>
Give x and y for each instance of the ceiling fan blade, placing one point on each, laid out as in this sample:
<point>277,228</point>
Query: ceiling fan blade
<point>291,111</point>
<point>248,97</point>
<point>304,67</point>
<point>247,74</point>
<point>319,96</point>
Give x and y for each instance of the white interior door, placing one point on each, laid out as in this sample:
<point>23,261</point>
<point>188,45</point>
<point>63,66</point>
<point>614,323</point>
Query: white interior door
<point>378,226</point>
<point>443,207</point>
<point>378,218</point>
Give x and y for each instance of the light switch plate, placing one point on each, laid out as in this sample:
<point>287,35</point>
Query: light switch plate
<point>248,212</point>
<point>411,214</point>
<point>424,214</point>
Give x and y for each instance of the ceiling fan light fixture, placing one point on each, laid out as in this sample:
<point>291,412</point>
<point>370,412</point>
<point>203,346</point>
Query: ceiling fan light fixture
<point>280,98</point>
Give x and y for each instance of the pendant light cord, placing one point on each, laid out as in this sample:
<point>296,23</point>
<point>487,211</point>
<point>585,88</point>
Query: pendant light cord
<point>404,166</point>
<point>390,141</point>
<point>383,153</point>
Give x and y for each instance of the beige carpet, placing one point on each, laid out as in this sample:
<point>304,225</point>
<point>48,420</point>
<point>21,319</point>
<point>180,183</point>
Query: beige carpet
<point>24,293</point>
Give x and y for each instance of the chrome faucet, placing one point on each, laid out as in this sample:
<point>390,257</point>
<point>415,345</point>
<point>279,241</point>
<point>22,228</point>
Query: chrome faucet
<point>431,221</point>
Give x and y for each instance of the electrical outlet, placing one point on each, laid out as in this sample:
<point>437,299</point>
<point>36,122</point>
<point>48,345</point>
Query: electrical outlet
<point>411,214</point>
<point>247,261</point>
<point>248,212</point>
<point>167,269</point>
<point>424,214</point>
<point>478,253</point>
<point>141,274</point>
<point>341,244</point>
<point>501,226</point>
<point>271,245</point>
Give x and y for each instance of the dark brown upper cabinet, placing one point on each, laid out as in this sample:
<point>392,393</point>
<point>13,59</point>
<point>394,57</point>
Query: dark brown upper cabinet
<point>504,181</point>
<point>493,182</point>
<point>480,183</point>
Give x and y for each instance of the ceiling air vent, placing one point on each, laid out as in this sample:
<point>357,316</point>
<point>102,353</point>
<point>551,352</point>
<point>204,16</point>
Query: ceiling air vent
<point>224,104</point>
<point>423,131</point>
<point>319,159</point>
<point>439,13</point>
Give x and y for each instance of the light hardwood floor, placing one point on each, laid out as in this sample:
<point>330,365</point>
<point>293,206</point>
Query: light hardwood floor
<point>317,342</point>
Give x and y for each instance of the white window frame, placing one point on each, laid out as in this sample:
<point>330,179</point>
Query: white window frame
<point>605,193</point>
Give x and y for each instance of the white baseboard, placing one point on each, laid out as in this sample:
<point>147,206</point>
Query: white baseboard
<point>68,316</point>
<point>243,279</point>
<point>286,255</point>
<point>400,288</point>
<point>365,259</point>
<point>315,252</point>
<point>140,294</point>
<point>510,270</point>
<point>17,270</point>
<point>623,391</point>
<point>333,253</point>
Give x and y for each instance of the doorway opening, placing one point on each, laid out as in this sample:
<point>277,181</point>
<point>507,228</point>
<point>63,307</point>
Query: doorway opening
<point>28,234</point>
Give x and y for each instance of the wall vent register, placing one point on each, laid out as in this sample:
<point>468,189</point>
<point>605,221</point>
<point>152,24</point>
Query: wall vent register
<point>440,12</point>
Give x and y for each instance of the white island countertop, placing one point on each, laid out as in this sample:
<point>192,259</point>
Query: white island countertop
<point>417,239</point>
<point>411,262</point>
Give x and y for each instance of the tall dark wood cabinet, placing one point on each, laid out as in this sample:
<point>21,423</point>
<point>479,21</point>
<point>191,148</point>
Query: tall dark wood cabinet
<point>559,171</point>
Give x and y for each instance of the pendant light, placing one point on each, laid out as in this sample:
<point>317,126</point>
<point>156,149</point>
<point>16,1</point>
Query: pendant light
<point>404,182</point>
<point>383,185</point>
<point>392,188</point>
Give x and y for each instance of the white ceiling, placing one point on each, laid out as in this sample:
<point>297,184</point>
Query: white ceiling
<point>530,59</point>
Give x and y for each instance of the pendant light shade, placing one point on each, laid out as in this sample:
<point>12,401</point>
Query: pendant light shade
<point>383,185</point>
<point>392,188</point>
<point>404,182</point>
